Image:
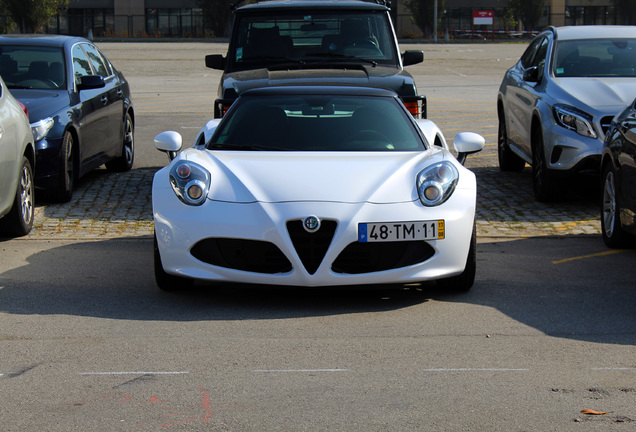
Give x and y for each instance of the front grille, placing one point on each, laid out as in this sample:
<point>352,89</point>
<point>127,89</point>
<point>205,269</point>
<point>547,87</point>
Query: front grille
<point>311,247</point>
<point>358,258</point>
<point>247,255</point>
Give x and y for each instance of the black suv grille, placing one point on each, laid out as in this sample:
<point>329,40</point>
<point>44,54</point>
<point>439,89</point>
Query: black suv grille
<point>247,255</point>
<point>311,247</point>
<point>606,122</point>
<point>358,258</point>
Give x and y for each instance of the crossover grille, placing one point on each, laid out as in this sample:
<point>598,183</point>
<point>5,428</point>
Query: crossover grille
<point>358,258</point>
<point>247,255</point>
<point>311,247</point>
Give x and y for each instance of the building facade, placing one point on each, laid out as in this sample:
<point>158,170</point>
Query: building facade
<point>183,18</point>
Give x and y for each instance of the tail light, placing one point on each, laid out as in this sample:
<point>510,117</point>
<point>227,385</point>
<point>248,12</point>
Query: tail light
<point>24,108</point>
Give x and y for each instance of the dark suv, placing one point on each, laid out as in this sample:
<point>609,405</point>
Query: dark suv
<point>312,41</point>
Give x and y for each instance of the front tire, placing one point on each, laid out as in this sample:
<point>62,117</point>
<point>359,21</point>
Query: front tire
<point>508,161</point>
<point>613,234</point>
<point>165,281</point>
<point>546,187</point>
<point>63,191</point>
<point>19,221</point>
<point>464,281</point>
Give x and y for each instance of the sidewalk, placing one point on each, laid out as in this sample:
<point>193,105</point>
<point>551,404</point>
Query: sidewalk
<point>107,205</point>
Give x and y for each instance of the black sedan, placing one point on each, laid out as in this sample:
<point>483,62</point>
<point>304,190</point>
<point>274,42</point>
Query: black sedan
<point>79,106</point>
<point>618,196</point>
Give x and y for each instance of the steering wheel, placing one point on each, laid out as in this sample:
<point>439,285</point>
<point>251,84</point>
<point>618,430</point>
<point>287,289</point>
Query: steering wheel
<point>365,43</point>
<point>48,82</point>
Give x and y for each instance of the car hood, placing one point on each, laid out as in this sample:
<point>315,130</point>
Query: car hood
<point>42,103</point>
<point>603,94</point>
<point>346,177</point>
<point>392,78</point>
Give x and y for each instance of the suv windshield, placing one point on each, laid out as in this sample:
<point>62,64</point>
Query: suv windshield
<point>596,58</point>
<point>32,67</point>
<point>317,123</point>
<point>301,36</point>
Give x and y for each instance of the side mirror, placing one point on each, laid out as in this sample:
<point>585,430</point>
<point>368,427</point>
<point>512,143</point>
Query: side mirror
<point>531,74</point>
<point>215,61</point>
<point>467,143</point>
<point>412,57</point>
<point>169,142</point>
<point>88,82</point>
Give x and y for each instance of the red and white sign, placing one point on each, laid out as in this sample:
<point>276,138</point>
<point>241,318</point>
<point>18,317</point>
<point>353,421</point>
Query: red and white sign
<point>483,17</point>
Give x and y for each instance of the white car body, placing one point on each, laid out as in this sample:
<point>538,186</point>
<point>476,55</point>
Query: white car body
<point>253,196</point>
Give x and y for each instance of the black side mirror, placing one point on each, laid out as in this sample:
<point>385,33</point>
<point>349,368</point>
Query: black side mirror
<point>412,57</point>
<point>531,74</point>
<point>215,61</point>
<point>88,82</point>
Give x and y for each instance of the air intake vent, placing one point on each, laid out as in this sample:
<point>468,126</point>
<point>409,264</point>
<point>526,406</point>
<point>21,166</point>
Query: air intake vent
<point>311,247</point>
<point>606,122</point>
<point>247,255</point>
<point>358,258</point>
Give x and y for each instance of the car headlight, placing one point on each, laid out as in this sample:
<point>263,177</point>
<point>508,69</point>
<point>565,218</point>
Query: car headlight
<point>190,182</point>
<point>41,128</point>
<point>574,119</point>
<point>436,183</point>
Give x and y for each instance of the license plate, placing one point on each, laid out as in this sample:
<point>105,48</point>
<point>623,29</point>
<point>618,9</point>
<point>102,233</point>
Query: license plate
<point>401,231</point>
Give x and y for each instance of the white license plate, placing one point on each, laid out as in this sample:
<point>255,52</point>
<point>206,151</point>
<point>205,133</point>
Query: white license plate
<point>401,231</point>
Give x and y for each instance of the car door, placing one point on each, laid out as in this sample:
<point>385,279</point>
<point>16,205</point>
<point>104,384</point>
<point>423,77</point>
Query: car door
<point>112,93</point>
<point>627,162</point>
<point>524,92</point>
<point>93,110</point>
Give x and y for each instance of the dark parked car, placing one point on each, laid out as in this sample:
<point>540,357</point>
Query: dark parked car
<point>79,107</point>
<point>330,42</point>
<point>618,196</point>
<point>556,104</point>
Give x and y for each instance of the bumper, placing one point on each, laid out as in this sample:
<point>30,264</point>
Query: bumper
<point>568,151</point>
<point>184,231</point>
<point>47,155</point>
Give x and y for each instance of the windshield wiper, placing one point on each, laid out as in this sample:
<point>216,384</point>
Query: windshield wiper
<point>269,57</point>
<point>224,146</point>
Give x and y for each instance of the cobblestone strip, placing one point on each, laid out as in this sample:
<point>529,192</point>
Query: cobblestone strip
<point>107,205</point>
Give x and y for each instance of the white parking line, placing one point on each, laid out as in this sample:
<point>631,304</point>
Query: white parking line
<point>133,373</point>
<point>299,370</point>
<point>474,370</point>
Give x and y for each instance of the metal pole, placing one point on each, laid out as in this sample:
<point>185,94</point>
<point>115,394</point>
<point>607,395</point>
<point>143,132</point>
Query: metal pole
<point>435,22</point>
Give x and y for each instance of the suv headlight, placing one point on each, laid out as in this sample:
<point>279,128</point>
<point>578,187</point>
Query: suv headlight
<point>436,183</point>
<point>41,128</point>
<point>574,119</point>
<point>190,182</point>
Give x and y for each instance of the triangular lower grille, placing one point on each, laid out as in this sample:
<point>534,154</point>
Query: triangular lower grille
<point>311,247</point>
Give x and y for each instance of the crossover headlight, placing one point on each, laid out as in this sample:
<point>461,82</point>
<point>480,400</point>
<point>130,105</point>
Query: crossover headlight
<point>574,119</point>
<point>190,182</point>
<point>41,128</point>
<point>436,183</point>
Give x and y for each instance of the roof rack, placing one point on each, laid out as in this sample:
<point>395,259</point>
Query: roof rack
<point>236,4</point>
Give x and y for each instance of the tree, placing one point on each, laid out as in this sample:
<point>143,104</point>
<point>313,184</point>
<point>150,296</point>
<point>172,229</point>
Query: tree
<point>217,15</point>
<point>422,13</point>
<point>529,12</point>
<point>32,15</point>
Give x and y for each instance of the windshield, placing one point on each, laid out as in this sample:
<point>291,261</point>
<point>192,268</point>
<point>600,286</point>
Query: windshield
<point>262,40</point>
<point>32,67</point>
<point>317,123</point>
<point>596,58</point>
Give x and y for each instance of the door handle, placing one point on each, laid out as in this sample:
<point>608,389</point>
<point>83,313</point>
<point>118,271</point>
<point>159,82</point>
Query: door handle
<point>104,99</point>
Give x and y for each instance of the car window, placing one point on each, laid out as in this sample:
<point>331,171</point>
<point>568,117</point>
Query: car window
<point>529,53</point>
<point>318,123</point>
<point>96,60</point>
<point>596,58</point>
<point>32,67</point>
<point>81,65</point>
<point>314,35</point>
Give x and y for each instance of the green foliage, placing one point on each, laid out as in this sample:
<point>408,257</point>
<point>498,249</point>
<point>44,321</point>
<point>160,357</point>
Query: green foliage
<point>32,15</point>
<point>422,13</point>
<point>529,12</point>
<point>217,15</point>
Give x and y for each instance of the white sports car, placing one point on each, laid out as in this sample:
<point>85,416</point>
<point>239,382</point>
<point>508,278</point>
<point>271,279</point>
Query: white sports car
<point>316,186</point>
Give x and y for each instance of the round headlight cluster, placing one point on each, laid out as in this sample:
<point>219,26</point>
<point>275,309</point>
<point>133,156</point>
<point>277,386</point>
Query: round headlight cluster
<point>436,183</point>
<point>190,182</point>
